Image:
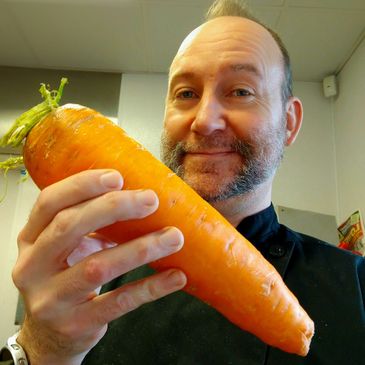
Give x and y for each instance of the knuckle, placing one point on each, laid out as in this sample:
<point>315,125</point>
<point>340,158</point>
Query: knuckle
<point>21,237</point>
<point>80,183</point>
<point>158,241</point>
<point>18,278</point>
<point>146,205</point>
<point>42,204</point>
<point>41,309</point>
<point>151,291</point>
<point>112,199</point>
<point>63,223</point>
<point>70,332</point>
<point>37,310</point>
<point>21,273</point>
<point>95,273</point>
<point>126,302</point>
<point>125,206</point>
<point>110,311</point>
<point>144,252</point>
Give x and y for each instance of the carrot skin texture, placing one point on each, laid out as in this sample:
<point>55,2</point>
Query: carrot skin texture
<point>223,268</point>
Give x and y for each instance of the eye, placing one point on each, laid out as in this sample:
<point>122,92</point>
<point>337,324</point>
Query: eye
<point>186,94</point>
<point>241,92</point>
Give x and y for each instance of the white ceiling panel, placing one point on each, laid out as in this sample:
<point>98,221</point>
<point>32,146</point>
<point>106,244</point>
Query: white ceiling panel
<point>266,2</point>
<point>319,37</point>
<point>166,27</point>
<point>268,15</point>
<point>84,36</point>
<point>334,4</point>
<point>76,2</point>
<point>207,3</point>
<point>143,35</point>
<point>195,3</point>
<point>14,47</point>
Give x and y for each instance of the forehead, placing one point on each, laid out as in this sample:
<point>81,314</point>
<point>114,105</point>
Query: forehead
<point>230,43</point>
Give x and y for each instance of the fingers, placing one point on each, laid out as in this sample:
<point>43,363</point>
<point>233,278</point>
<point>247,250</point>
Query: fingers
<point>101,267</point>
<point>63,234</point>
<point>68,192</point>
<point>109,306</point>
<point>59,268</point>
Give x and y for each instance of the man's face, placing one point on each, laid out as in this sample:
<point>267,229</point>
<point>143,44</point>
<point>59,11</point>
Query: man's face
<point>224,128</point>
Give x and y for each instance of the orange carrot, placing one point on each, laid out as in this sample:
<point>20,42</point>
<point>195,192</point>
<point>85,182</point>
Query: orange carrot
<point>223,268</point>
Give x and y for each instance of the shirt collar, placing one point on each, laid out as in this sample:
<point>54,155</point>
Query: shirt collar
<point>269,237</point>
<point>259,226</point>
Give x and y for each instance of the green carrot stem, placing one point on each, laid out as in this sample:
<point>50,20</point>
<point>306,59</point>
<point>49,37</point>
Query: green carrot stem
<point>9,164</point>
<point>17,133</point>
<point>24,124</point>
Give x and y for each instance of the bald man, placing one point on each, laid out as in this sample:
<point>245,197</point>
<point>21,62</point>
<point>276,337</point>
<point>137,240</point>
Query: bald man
<point>229,115</point>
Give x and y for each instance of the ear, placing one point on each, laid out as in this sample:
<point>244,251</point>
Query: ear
<point>294,117</point>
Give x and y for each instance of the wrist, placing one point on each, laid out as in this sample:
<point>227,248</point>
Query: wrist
<point>40,355</point>
<point>14,351</point>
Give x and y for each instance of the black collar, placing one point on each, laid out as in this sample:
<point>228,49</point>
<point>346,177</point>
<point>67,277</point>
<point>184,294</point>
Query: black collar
<point>269,237</point>
<point>260,226</point>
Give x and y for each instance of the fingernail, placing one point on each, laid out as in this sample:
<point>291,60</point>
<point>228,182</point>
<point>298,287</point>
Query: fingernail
<point>177,279</point>
<point>172,237</point>
<point>146,197</point>
<point>112,180</point>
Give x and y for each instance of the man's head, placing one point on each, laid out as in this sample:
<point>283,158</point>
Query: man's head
<point>227,116</point>
<point>237,8</point>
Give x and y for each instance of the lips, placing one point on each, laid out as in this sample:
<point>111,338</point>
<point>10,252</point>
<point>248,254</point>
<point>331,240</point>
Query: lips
<point>210,156</point>
<point>210,153</point>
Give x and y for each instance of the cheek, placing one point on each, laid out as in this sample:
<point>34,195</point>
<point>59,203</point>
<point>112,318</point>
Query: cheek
<point>176,124</point>
<point>246,123</point>
<point>261,116</point>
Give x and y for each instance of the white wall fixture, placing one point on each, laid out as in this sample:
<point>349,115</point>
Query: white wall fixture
<point>330,86</point>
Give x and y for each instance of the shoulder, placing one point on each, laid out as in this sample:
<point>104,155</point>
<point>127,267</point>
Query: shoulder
<point>322,257</point>
<point>312,244</point>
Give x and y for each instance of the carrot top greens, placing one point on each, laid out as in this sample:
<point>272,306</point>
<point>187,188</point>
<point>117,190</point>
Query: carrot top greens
<point>15,136</point>
<point>22,125</point>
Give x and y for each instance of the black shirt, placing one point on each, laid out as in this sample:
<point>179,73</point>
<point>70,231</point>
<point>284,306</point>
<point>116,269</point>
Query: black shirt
<point>181,330</point>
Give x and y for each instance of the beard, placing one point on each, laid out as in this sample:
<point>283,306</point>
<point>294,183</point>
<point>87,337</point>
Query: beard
<point>260,156</point>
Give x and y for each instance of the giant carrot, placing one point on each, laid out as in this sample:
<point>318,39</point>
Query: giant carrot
<point>223,268</point>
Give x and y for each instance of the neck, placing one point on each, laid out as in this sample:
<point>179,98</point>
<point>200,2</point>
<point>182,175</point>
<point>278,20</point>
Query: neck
<point>239,207</point>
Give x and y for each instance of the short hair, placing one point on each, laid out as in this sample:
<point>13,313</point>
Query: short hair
<point>239,8</point>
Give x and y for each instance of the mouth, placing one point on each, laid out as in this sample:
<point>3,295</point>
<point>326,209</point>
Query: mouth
<point>211,153</point>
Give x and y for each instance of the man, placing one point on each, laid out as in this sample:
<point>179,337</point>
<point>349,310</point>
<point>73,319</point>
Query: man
<point>229,114</point>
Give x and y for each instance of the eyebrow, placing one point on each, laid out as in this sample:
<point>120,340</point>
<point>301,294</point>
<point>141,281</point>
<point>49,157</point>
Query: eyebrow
<point>174,78</point>
<point>237,67</point>
<point>249,67</point>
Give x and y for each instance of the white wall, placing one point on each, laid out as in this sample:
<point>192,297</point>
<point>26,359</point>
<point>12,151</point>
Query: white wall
<point>306,179</point>
<point>18,92</point>
<point>349,115</point>
<point>141,108</point>
<point>8,297</point>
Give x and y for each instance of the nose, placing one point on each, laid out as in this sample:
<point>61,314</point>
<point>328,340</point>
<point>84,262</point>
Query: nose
<point>209,116</point>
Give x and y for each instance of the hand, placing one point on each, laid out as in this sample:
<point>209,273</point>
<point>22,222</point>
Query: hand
<point>60,265</point>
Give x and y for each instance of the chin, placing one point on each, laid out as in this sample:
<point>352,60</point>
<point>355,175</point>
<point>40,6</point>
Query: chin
<point>208,187</point>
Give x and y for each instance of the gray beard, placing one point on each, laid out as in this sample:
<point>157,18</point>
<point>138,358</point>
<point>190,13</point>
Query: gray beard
<point>262,156</point>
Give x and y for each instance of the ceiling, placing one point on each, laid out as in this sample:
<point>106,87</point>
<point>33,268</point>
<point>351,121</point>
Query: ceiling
<point>143,35</point>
